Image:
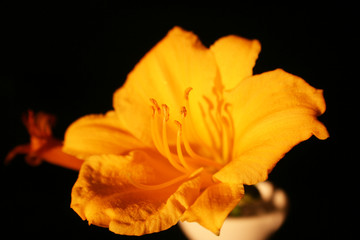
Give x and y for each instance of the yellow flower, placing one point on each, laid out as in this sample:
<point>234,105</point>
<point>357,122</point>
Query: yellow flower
<point>190,127</point>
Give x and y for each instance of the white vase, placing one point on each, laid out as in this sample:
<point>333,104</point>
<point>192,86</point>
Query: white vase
<point>258,227</point>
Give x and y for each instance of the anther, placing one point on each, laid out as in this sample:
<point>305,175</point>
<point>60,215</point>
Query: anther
<point>183,111</point>
<point>187,91</point>
<point>165,109</point>
<point>178,124</point>
<point>156,105</point>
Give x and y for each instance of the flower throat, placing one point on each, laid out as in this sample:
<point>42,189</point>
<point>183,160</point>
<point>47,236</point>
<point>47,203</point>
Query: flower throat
<point>218,123</point>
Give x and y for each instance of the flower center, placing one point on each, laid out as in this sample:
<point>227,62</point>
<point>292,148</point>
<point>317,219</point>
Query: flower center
<point>184,159</point>
<point>218,122</point>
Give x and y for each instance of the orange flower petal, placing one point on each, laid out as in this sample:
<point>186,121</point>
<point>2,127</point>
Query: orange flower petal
<point>272,113</point>
<point>214,205</point>
<point>98,134</point>
<point>105,195</point>
<point>177,62</point>
<point>235,57</point>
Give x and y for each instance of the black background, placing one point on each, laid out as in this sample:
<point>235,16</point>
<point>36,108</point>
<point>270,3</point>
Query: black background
<point>68,60</point>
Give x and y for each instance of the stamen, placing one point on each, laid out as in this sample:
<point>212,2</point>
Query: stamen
<point>216,124</point>
<point>178,146</point>
<point>219,125</point>
<point>155,132</point>
<point>196,172</point>
<point>166,148</point>
<point>187,91</point>
<point>154,126</point>
<point>229,118</point>
<point>156,105</point>
<point>158,186</point>
<point>210,104</point>
<point>190,151</point>
<point>165,109</point>
<point>183,112</point>
<point>165,184</point>
<point>230,130</point>
<point>208,128</point>
<point>186,110</point>
<point>202,160</point>
<point>226,141</point>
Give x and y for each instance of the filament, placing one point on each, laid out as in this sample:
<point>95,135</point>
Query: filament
<point>169,183</point>
<point>158,186</point>
<point>165,141</point>
<point>154,131</point>
<point>178,146</point>
<point>219,124</point>
<point>190,151</point>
